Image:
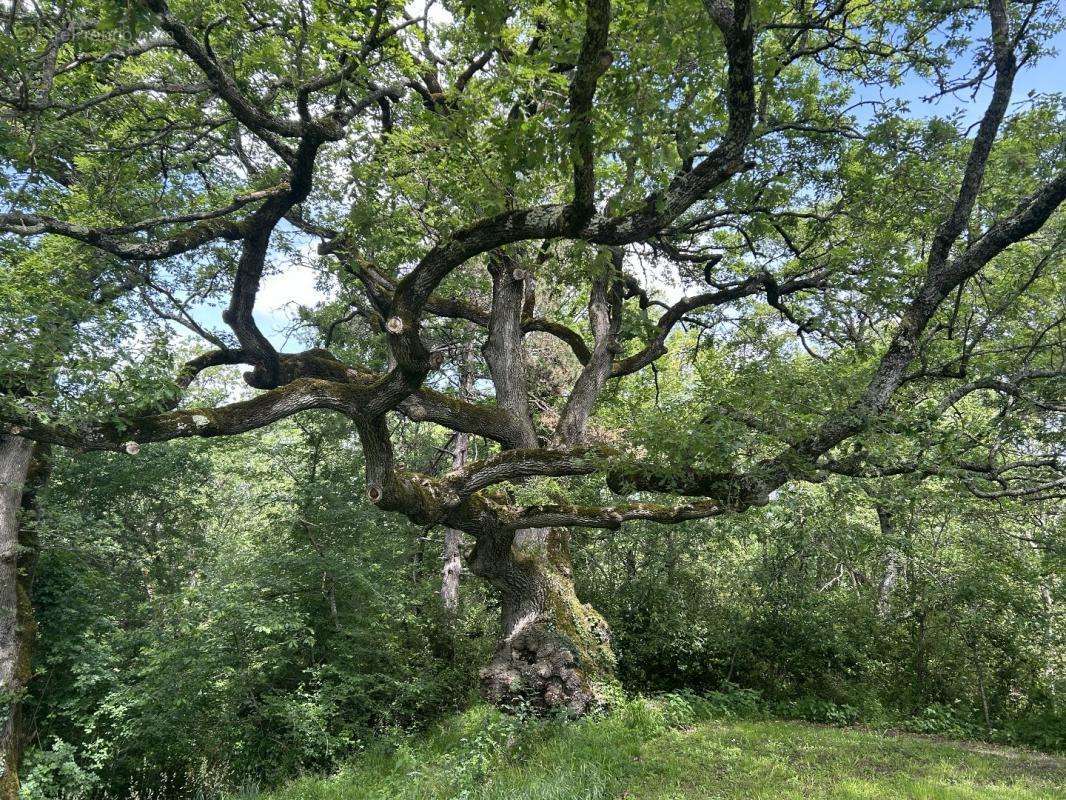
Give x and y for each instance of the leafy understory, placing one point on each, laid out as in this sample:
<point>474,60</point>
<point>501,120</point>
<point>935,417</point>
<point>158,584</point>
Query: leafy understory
<point>672,751</point>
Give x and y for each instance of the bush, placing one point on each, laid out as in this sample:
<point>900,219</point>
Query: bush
<point>1045,731</point>
<point>942,720</point>
<point>54,772</point>
<point>815,709</point>
<point>734,702</point>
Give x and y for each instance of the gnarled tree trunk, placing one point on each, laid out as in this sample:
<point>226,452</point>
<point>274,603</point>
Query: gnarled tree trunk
<point>555,651</point>
<point>17,626</point>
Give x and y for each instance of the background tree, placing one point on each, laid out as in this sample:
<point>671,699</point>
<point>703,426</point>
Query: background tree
<point>43,310</point>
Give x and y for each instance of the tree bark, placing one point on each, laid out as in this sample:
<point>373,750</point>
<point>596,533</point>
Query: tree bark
<point>17,625</point>
<point>555,651</point>
<point>890,576</point>
<point>449,589</point>
<point>453,538</point>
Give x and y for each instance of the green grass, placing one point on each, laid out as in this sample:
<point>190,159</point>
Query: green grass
<point>642,752</point>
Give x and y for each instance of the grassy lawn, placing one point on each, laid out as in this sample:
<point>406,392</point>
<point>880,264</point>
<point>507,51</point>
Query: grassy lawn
<point>634,754</point>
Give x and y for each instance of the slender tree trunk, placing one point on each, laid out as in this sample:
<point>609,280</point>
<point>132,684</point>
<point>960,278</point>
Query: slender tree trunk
<point>449,585</point>
<point>453,546</point>
<point>984,692</point>
<point>920,660</point>
<point>555,651</point>
<point>17,626</point>
<point>890,576</point>
<point>453,539</point>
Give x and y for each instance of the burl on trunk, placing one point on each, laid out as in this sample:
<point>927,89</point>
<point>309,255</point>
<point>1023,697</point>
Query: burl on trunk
<point>555,651</point>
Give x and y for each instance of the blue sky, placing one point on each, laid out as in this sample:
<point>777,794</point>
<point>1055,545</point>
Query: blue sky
<point>1045,76</point>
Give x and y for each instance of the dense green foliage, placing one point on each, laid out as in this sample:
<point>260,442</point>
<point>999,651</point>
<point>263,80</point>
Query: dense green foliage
<point>259,619</point>
<point>196,639</point>
<point>785,602</point>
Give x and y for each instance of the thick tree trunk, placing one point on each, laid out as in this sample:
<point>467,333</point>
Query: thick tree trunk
<point>555,651</point>
<point>17,627</point>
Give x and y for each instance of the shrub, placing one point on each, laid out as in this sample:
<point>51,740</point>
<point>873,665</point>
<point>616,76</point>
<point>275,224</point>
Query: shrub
<point>943,720</point>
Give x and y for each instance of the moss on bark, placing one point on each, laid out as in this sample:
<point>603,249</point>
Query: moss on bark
<point>555,653</point>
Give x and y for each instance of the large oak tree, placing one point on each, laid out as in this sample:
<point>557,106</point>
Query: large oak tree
<point>514,174</point>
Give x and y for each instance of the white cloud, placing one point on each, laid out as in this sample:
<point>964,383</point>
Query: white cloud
<point>438,14</point>
<point>293,285</point>
<point>289,286</point>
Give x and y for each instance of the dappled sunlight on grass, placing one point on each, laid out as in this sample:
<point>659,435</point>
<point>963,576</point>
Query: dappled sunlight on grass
<point>794,760</point>
<point>636,754</point>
